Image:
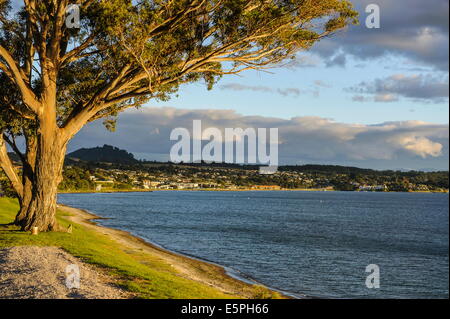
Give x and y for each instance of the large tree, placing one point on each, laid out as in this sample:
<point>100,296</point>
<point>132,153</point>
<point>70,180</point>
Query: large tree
<point>55,79</point>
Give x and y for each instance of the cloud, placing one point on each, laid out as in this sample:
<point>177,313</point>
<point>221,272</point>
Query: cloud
<point>421,146</point>
<point>414,29</point>
<point>386,98</point>
<point>303,61</point>
<point>289,91</point>
<point>263,89</point>
<point>411,144</point>
<point>337,60</point>
<point>322,84</point>
<point>418,87</point>
<point>359,98</point>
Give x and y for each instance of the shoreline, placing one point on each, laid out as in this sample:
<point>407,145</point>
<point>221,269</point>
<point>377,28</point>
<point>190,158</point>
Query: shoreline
<point>238,190</point>
<point>194,268</point>
<point>193,190</point>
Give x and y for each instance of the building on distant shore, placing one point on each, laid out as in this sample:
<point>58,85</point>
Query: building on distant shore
<point>150,184</point>
<point>266,187</point>
<point>370,188</point>
<point>100,184</point>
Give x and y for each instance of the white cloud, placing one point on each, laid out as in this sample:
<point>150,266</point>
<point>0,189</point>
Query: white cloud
<point>414,29</point>
<point>306,139</point>
<point>387,97</point>
<point>416,87</point>
<point>260,88</point>
<point>421,146</point>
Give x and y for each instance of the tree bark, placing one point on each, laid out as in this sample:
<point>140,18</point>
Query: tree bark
<point>41,209</point>
<point>27,179</point>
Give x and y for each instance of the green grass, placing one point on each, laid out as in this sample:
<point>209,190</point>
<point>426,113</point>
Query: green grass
<point>146,275</point>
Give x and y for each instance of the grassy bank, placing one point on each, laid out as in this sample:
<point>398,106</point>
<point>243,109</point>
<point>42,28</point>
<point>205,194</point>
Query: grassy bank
<point>144,270</point>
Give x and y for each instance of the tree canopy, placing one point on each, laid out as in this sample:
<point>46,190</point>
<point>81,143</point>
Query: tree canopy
<point>126,52</point>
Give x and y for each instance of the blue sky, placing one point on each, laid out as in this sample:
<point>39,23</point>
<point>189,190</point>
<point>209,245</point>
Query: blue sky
<point>412,41</point>
<point>327,98</point>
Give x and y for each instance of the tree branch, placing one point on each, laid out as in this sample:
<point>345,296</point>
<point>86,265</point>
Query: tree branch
<point>76,53</point>
<point>81,114</point>
<point>12,143</point>
<point>16,75</point>
<point>8,167</point>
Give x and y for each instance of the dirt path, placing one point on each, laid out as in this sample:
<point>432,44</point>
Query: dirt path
<point>40,273</point>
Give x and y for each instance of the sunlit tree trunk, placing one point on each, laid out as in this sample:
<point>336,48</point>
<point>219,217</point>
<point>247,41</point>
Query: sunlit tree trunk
<point>27,179</point>
<point>41,209</point>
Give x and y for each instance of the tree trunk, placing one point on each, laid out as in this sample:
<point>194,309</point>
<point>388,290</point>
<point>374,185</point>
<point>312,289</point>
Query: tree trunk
<point>24,203</point>
<point>27,179</point>
<point>48,167</point>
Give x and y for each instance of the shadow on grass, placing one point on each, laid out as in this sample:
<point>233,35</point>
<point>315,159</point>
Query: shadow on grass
<point>10,227</point>
<point>7,225</point>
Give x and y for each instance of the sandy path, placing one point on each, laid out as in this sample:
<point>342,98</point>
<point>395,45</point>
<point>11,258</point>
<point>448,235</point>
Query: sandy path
<point>40,273</point>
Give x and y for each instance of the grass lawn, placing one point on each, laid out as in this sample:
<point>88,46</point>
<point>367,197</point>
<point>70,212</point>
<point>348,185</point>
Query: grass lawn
<point>141,273</point>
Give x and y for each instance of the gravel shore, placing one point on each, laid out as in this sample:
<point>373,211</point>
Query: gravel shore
<point>40,273</point>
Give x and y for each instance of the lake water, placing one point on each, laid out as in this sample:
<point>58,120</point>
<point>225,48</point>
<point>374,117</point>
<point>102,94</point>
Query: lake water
<point>314,244</point>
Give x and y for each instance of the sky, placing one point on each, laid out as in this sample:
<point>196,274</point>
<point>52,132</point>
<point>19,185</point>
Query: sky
<point>375,98</point>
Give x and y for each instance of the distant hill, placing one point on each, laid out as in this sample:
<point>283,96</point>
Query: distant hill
<point>105,154</point>
<point>116,157</point>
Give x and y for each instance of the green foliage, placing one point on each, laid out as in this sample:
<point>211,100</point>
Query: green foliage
<point>76,178</point>
<point>106,153</point>
<point>123,186</point>
<point>5,187</point>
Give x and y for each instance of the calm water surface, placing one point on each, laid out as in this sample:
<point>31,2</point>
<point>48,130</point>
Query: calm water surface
<point>306,243</point>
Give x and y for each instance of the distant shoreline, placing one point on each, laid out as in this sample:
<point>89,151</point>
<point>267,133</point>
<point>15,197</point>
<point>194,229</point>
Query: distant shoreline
<point>236,190</point>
